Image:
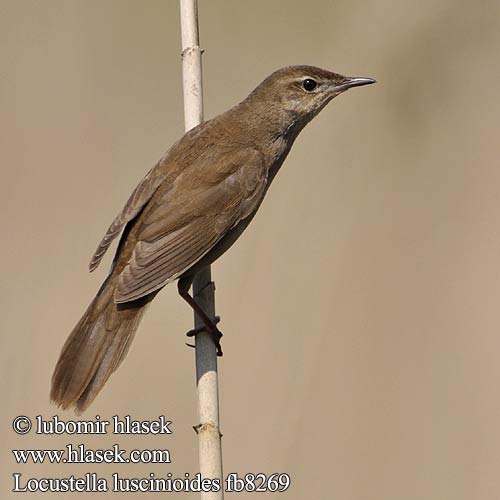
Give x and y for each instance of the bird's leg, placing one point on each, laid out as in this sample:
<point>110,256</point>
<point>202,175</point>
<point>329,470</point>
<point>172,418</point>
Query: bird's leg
<point>209,324</point>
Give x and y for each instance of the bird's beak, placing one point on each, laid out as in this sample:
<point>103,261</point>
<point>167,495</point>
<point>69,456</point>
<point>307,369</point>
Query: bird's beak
<point>352,82</point>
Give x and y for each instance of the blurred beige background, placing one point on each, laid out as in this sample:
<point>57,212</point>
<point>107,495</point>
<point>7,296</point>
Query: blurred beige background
<point>360,309</point>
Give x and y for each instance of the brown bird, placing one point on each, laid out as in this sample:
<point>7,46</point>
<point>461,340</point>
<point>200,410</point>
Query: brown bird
<point>185,213</point>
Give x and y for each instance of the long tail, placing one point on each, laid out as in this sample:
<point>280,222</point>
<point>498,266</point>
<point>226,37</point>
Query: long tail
<point>95,348</point>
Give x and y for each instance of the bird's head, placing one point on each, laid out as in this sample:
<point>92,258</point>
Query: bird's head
<point>304,91</point>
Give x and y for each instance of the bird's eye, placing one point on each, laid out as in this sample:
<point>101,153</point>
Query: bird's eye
<point>309,84</point>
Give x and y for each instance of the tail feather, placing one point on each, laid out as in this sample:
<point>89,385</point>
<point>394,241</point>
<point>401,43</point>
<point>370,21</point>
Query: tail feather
<point>94,350</point>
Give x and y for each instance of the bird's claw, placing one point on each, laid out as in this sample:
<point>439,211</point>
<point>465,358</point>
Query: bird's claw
<point>195,331</point>
<point>214,332</point>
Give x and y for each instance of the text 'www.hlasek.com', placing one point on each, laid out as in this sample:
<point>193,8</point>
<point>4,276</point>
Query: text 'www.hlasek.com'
<point>94,482</point>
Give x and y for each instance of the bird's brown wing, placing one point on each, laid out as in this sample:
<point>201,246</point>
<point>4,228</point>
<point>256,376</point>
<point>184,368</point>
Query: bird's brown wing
<point>186,219</point>
<point>137,200</point>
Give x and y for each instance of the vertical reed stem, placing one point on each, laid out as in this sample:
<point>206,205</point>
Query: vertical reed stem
<point>209,436</point>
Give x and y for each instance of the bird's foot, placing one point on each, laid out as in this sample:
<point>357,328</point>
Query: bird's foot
<point>212,330</point>
<point>195,331</point>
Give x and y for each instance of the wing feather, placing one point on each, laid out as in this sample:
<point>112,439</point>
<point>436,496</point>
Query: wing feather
<point>181,224</point>
<point>137,200</point>
<point>155,264</point>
